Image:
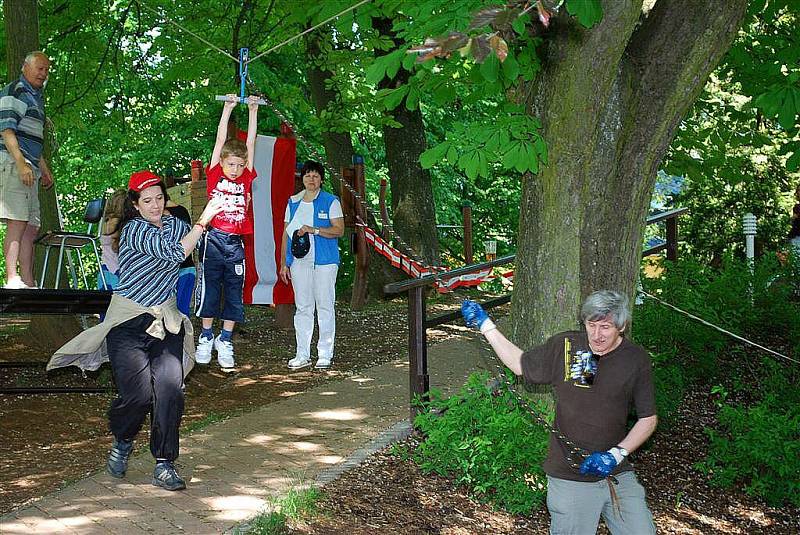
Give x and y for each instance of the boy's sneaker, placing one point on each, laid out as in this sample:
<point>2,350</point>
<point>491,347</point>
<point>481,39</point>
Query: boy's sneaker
<point>298,363</point>
<point>203,353</point>
<point>166,477</point>
<point>224,353</point>
<point>323,363</point>
<point>117,463</point>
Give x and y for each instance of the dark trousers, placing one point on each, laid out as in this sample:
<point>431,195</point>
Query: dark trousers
<point>221,276</point>
<point>149,377</point>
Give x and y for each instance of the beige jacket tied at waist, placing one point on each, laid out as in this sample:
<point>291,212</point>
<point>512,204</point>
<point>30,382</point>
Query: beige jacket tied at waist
<point>88,350</point>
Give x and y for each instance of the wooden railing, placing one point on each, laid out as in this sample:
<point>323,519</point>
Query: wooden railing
<point>418,322</point>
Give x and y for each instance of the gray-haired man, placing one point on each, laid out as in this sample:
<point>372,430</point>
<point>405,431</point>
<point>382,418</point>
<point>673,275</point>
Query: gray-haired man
<point>22,166</point>
<point>597,375</point>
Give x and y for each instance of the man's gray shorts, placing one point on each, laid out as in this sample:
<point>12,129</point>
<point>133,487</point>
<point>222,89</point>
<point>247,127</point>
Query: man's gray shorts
<point>17,201</point>
<point>575,507</point>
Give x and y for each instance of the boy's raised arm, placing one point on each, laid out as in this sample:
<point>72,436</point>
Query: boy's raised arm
<point>252,130</point>
<point>222,129</point>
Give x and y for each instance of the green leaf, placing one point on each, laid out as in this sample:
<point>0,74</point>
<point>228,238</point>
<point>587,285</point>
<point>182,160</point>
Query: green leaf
<point>789,109</point>
<point>793,163</point>
<point>376,71</point>
<point>490,68</point>
<point>471,167</point>
<point>520,22</point>
<point>433,155</point>
<point>394,61</point>
<point>452,155</point>
<point>511,68</point>
<point>444,93</point>
<point>588,12</point>
<point>412,100</point>
<point>395,96</point>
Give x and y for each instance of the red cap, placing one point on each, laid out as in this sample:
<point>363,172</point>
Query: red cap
<point>142,180</point>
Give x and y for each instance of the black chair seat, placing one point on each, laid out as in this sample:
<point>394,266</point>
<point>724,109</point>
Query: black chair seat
<point>74,242</point>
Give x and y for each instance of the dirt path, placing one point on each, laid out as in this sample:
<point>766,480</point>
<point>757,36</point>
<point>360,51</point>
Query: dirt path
<point>47,441</point>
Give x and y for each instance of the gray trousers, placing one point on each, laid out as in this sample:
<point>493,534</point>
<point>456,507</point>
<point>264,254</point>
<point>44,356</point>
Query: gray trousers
<point>575,507</point>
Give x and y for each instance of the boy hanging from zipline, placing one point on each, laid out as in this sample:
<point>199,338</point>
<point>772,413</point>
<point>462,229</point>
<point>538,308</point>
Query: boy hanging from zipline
<point>230,176</point>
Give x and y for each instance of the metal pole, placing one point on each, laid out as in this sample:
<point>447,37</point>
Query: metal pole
<point>418,380</point>
<point>466,214</point>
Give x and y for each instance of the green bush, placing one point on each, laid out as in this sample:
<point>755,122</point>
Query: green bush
<point>760,306</point>
<point>759,446</point>
<point>487,443</point>
<point>670,387</point>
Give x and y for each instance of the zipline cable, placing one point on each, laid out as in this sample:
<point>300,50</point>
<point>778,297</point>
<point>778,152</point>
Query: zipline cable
<point>718,328</point>
<point>169,20</point>
<point>398,240</point>
<point>301,34</point>
<point>165,18</point>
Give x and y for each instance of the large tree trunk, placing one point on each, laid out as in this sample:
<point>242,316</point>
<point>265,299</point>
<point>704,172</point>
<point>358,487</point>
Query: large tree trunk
<point>413,208</point>
<point>21,20</point>
<point>609,99</point>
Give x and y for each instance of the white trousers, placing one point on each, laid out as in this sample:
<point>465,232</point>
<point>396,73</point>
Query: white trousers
<point>314,287</point>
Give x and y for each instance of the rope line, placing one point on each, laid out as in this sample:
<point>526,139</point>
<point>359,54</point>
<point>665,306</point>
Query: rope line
<point>182,28</point>
<point>502,380</point>
<point>718,328</point>
<point>301,34</point>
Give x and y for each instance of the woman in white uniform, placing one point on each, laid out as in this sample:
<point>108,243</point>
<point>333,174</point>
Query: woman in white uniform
<point>314,222</point>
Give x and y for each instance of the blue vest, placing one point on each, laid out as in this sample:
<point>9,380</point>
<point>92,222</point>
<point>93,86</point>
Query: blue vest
<point>326,250</point>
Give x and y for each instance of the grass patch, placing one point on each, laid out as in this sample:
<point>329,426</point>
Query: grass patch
<point>297,504</point>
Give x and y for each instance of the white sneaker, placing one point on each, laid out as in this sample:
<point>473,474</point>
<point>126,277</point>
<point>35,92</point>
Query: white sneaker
<point>323,363</point>
<point>224,350</point>
<point>203,353</point>
<point>15,283</point>
<point>298,363</point>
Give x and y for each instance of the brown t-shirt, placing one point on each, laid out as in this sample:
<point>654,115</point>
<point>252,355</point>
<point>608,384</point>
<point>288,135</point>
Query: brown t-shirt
<point>592,414</point>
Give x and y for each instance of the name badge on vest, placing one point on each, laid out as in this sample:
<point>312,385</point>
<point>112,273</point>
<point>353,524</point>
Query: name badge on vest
<point>322,215</point>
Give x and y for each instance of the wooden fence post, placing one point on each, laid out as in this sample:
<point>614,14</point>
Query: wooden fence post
<point>672,238</point>
<point>359,294</point>
<point>418,379</point>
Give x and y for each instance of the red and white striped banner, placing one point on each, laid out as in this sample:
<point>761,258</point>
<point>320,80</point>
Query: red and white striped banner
<point>416,270</point>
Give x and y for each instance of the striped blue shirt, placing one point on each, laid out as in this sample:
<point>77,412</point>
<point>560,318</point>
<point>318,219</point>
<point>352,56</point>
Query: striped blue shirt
<point>149,260</point>
<point>22,110</point>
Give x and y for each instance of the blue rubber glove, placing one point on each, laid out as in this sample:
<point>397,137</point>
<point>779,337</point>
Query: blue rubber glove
<point>599,463</point>
<point>473,313</point>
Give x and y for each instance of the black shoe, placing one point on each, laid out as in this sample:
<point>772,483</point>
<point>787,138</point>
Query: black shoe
<point>166,477</point>
<point>117,463</point>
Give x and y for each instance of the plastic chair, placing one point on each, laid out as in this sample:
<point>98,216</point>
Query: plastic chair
<point>75,241</point>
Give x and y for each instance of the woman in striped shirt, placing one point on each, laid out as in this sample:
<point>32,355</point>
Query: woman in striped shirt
<point>150,343</point>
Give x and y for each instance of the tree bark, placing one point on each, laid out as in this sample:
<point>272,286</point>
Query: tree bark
<point>609,99</point>
<point>413,207</point>
<point>21,20</point>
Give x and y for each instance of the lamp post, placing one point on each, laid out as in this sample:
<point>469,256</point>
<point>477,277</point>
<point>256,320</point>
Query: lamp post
<point>749,229</point>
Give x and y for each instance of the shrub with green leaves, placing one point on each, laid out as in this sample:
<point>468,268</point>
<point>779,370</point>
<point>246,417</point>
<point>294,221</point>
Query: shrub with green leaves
<point>759,446</point>
<point>759,305</point>
<point>670,387</point>
<point>486,442</point>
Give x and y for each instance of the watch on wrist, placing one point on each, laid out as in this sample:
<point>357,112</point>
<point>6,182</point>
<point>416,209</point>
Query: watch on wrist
<point>622,451</point>
<point>316,231</point>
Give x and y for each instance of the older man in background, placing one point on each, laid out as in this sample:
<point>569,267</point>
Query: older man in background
<point>22,167</point>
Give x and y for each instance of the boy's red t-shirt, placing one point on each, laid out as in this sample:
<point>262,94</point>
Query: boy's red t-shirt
<point>236,196</point>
